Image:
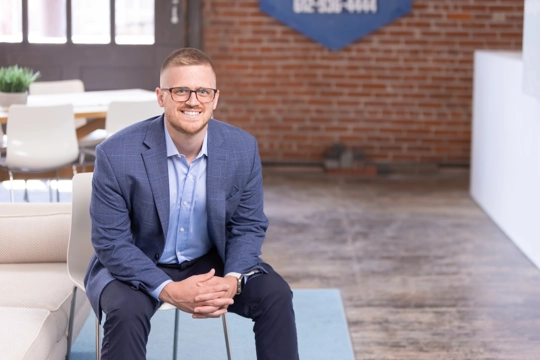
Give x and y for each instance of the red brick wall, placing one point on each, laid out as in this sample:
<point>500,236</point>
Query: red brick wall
<point>403,94</point>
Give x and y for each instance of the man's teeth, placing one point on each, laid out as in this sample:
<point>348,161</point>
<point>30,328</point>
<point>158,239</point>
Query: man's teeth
<point>191,113</point>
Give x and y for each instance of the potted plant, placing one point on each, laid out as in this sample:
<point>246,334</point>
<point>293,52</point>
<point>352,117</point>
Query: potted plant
<point>14,83</point>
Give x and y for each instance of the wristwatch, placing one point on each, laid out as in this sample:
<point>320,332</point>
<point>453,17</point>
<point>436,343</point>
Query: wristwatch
<point>241,279</point>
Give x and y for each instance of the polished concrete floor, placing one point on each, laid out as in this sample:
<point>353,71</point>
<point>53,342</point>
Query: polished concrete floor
<point>424,273</point>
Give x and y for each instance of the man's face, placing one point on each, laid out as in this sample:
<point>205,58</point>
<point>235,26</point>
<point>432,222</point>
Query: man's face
<point>192,116</point>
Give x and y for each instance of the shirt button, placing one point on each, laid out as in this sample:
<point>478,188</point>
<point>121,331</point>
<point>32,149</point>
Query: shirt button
<point>181,229</point>
<point>185,203</point>
<point>178,253</point>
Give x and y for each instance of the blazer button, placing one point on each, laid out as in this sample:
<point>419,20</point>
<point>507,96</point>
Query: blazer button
<point>156,256</point>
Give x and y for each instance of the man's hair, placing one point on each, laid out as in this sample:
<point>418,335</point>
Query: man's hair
<point>186,56</point>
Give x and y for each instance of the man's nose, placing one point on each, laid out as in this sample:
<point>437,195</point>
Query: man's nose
<point>192,100</point>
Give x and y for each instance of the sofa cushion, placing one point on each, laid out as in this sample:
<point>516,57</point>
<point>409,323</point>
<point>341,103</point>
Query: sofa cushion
<point>26,331</point>
<point>34,232</point>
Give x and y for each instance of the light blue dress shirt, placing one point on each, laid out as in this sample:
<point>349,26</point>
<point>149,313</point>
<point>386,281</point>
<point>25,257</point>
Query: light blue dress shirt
<point>187,234</point>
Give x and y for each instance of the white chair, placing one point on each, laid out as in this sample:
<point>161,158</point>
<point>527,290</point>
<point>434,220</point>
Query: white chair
<point>41,139</point>
<point>80,252</point>
<point>119,115</point>
<point>58,87</point>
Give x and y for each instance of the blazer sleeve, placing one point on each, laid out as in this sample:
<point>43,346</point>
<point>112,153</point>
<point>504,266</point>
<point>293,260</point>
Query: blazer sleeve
<point>247,227</point>
<point>111,231</point>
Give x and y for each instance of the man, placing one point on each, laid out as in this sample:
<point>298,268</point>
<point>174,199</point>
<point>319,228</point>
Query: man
<point>177,217</point>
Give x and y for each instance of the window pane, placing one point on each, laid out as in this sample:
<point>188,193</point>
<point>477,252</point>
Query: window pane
<point>91,22</point>
<point>134,21</point>
<point>11,21</point>
<point>47,21</point>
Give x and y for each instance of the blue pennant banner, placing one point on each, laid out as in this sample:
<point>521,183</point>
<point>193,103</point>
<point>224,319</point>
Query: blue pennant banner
<point>336,23</point>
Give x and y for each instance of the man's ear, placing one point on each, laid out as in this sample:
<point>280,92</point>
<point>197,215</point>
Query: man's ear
<point>159,96</point>
<point>216,98</point>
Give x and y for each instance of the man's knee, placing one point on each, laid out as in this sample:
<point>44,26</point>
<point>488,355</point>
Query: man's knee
<point>281,292</point>
<point>272,290</point>
<point>122,302</point>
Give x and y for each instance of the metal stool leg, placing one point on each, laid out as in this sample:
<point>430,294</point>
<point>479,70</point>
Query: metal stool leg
<point>175,338</point>
<point>226,334</point>
<point>98,340</point>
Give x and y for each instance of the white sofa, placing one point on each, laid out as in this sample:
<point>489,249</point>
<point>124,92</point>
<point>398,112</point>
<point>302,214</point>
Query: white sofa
<point>35,289</point>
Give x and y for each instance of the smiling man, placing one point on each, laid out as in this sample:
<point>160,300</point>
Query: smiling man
<point>177,217</point>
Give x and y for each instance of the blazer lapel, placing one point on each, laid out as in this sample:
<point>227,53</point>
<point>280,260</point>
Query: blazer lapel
<point>215,192</point>
<point>155,161</point>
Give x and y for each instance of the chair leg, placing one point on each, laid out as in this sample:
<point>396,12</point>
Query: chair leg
<point>11,185</point>
<point>57,186</point>
<point>26,199</point>
<point>226,334</point>
<point>175,337</point>
<point>98,340</point>
<point>82,156</point>
<point>49,184</point>
<point>71,321</point>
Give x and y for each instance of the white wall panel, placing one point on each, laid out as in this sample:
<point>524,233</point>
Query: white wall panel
<point>505,158</point>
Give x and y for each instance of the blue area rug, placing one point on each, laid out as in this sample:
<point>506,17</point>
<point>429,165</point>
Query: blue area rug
<point>320,320</point>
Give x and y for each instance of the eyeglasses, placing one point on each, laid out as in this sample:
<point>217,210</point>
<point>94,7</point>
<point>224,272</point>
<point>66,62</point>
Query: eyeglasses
<point>182,94</point>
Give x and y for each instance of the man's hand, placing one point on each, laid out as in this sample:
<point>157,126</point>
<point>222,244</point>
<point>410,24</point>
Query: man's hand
<point>207,298</point>
<point>186,295</point>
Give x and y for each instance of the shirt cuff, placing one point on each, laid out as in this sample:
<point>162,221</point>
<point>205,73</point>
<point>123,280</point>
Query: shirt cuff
<point>155,293</point>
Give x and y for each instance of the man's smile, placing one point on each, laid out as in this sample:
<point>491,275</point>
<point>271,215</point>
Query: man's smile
<point>190,112</point>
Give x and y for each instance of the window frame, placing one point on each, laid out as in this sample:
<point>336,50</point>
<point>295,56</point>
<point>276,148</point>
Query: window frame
<point>69,28</point>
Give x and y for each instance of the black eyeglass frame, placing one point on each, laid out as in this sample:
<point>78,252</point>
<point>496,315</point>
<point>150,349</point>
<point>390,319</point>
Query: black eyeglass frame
<point>190,91</point>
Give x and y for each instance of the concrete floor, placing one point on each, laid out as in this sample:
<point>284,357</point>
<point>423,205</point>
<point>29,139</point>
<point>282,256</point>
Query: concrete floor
<point>423,271</point>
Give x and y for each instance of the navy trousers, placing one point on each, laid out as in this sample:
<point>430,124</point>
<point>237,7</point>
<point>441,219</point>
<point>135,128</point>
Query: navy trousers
<point>266,299</point>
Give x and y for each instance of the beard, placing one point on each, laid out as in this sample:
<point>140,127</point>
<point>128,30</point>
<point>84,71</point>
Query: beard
<point>183,126</point>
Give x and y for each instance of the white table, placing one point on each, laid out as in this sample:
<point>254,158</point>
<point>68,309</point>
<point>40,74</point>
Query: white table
<point>89,104</point>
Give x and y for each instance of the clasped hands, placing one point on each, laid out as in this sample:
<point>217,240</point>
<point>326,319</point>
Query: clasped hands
<point>204,296</point>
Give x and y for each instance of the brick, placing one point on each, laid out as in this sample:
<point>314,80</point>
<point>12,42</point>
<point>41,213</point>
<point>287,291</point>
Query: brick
<point>459,16</point>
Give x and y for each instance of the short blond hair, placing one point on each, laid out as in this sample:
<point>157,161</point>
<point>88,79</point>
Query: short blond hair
<point>186,56</point>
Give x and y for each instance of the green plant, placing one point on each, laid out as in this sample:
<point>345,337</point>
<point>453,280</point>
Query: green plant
<point>15,79</point>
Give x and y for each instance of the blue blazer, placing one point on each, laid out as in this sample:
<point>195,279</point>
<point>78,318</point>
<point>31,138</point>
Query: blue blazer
<point>130,205</point>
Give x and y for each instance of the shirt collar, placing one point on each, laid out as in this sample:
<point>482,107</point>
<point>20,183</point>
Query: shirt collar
<point>171,148</point>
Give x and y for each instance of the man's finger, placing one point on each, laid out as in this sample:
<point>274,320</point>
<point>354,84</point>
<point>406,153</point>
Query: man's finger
<point>205,277</point>
<point>215,314</point>
<point>211,296</point>
<point>212,281</point>
<point>217,303</point>
<point>205,309</point>
<point>212,289</point>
